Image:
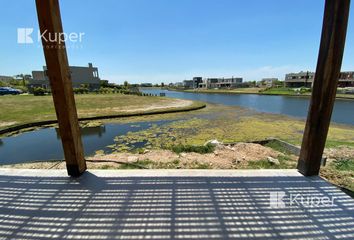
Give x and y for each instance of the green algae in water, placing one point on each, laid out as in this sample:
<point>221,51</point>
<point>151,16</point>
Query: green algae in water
<point>224,124</point>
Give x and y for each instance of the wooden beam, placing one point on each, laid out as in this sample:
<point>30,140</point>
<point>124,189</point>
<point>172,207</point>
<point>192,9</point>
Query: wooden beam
<point>60,80</point>
<point>329,63</point>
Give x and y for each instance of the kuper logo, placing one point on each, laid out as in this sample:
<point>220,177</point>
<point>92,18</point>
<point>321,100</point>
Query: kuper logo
<point>27,36</point>
<point>276,199</point>
<point>24,35</point>
<point>280,199</point>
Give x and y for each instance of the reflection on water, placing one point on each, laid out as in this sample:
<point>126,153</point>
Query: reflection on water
<point>44,144</point>
<point>97,131</point>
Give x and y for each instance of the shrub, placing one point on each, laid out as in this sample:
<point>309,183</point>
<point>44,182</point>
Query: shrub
<point>193,148</point>
<point>38,91</point>
<point>22,88</point>
<point>3,84</point>
<point>344,164</point>
<point>104,90</point>
<point>305,90</point>
<point>80,90</point>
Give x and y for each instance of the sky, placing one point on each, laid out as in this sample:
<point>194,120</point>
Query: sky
<point>173,40</point>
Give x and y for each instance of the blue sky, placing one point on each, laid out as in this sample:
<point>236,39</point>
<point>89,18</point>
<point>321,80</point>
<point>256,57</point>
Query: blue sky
<point>172,40</point>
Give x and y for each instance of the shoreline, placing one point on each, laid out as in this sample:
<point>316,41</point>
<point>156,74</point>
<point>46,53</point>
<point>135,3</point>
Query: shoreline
<point>250,93</point>
<point>194,106</point>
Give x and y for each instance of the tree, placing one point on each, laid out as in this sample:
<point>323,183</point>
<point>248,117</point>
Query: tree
<point>162,84</point>
<point>126,84</point>
<point>278,83</point>
<point>21,79</point>
<point>253,83</point>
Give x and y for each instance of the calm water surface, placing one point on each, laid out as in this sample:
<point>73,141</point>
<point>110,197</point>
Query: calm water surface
<point>44,144</point>
<point>292,106</point>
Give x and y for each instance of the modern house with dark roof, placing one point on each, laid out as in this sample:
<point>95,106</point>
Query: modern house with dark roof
<point>305,79</point>
<point>87,76</point>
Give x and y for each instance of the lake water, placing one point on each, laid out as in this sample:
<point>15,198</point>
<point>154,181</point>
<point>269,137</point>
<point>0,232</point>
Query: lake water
<point>44,144</point>
<point>343,111</point>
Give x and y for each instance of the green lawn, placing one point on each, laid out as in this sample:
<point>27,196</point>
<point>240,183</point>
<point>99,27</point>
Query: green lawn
<point>29,108</point>
<point>282,91</point>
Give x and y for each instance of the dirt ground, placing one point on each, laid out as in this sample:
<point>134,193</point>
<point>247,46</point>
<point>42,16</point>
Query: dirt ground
<point>5,124</point>
<point>223,157</point>
<point>342,152</point>
<point>238,156</point>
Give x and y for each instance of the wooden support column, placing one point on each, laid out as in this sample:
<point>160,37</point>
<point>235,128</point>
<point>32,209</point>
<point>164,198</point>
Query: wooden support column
<point>60,80</point>
<point>329,63</point>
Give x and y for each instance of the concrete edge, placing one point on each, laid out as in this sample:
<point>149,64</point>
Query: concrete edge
<point>155,173</point>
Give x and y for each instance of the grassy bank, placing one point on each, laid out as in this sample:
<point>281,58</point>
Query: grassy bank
<point>28,108</point>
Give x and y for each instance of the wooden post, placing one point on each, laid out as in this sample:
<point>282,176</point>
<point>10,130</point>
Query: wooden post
<point>329,63</point>
<point>60,80</point>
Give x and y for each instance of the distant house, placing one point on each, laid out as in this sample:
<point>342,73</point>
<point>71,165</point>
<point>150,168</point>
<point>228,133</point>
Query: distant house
<point>346,79</point>
<point>188,84</point>
<point>6,78</point>
<point>305,79</point>
<point>269,82</point>
<point>192,84</point>
<point>300,79</point>
<point>39,79</point>
<point>197,81</point>
<point>87,76</point>
<point>232,82</point>
<point>178,84</point>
